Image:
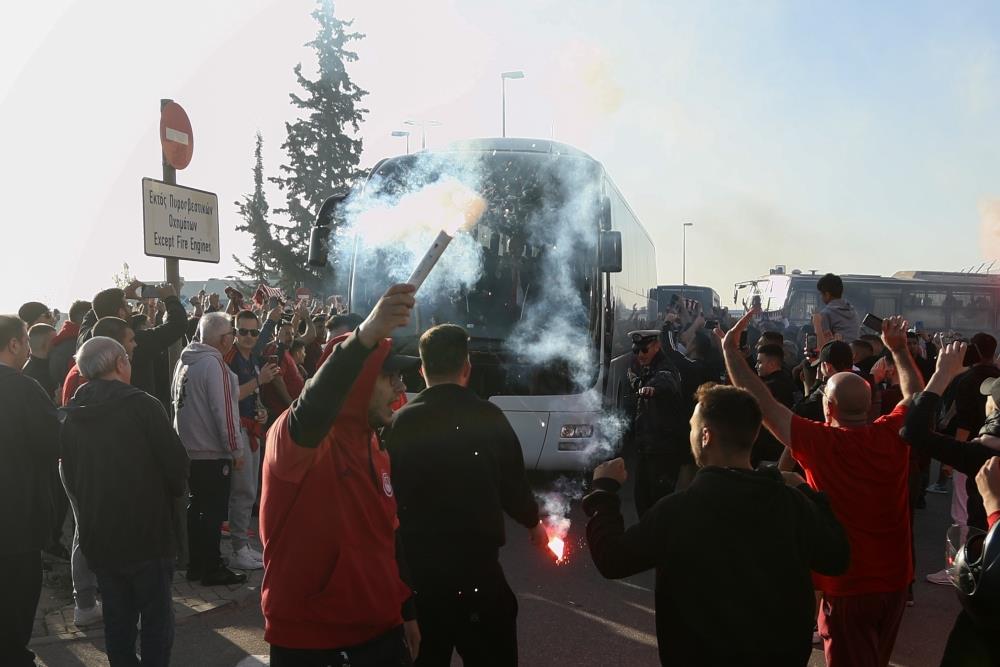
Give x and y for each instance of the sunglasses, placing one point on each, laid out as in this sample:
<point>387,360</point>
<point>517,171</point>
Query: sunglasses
<point>248,332</point>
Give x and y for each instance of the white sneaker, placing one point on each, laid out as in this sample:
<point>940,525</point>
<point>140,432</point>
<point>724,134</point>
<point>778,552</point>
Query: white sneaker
<point>940,578</point>
<point>245,559</point>
<point>84,617</point>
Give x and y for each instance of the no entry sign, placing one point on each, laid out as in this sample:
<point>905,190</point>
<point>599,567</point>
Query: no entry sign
<point>176,136</point>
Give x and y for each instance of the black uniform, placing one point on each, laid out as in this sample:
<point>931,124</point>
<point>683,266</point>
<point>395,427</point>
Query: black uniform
<point>660,430</point>
<point>457,468</point>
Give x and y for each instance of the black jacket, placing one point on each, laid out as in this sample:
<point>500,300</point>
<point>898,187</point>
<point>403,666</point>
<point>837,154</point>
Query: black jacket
<point>150,370</point>
<point>124,464</point>
<point>38,370</point>
<point>661,421</point>
<point>965,457</point>
<point>733,554</point>
<point>457,467</point>
<point>767,447</point>
<point>29,454</point>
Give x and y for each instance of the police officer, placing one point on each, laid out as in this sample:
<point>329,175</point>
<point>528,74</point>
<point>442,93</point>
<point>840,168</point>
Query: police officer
<point>660,427</point>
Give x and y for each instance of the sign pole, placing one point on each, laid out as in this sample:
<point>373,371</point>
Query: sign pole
<point>172,265</point>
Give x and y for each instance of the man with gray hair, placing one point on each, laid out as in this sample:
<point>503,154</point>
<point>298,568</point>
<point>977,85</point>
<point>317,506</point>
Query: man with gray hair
<point>207,419</point>
<point>123,465</point>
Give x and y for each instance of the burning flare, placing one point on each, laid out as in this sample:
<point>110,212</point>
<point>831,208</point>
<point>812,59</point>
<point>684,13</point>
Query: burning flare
<point>461,208</point>
<point>557,547</point>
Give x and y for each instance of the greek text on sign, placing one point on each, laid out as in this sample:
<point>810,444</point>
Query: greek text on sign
<point>180,222</point>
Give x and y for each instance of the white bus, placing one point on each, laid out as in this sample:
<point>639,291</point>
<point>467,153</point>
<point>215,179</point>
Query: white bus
<point>533,190</point>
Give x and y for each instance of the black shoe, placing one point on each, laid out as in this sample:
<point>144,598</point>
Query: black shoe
<point>223,577</point>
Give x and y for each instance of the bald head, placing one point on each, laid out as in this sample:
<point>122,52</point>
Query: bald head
<point>848,399</point>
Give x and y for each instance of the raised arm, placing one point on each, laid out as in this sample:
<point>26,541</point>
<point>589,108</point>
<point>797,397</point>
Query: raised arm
<point>618,552</point>
<point>894,338</point>
<point>777,417</point>
<point>174,324</point>
<point>314,411</point>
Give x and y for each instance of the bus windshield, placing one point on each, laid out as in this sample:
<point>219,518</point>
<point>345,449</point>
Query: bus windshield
<point>536,263</point>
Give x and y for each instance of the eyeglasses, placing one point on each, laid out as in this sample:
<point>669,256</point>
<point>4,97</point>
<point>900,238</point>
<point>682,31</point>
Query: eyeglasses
<point>248,332</point>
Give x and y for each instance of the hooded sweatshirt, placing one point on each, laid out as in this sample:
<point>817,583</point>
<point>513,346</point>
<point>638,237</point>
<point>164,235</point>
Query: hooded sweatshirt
<point>206,415</point>
<point>839,317</point>
<point>124,464</point>
<point>328,513</point>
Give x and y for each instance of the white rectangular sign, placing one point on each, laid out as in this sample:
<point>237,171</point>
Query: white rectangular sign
<point>180,222</point>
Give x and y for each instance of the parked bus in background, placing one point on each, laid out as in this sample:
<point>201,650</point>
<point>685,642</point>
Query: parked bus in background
<point>668,295</point>
<point>605,269</point>
<point>933,301</point>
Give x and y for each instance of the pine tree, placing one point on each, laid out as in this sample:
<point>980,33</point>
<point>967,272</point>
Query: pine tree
<point>323,146</point>
<point>253,210</point>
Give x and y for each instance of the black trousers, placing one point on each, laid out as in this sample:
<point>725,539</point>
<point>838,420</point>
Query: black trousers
<point>477,618</point>
<point>21,583</point>
<point>208,506</point>
<point>389,650</point>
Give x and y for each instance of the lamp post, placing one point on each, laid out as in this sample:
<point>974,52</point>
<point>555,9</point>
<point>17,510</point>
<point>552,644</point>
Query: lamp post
<point>684,247</point>
<point>423,125</point>
<point>518,74</point>
<point>403,133</point>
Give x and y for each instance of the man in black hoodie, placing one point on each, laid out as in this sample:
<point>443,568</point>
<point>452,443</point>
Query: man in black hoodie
<point>457,468</point>
<point>29,449</point>
<point>150,369</point>
<point>732,552</point>
<point>124,464</point>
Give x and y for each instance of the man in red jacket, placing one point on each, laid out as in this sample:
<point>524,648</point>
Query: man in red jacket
<point>333,593</point>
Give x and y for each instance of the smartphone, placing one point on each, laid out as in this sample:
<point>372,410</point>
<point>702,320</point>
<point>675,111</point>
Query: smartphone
<point>149,291</point>
<point>872,322</point>
<point>711,325</point>
<point>743,340</point>
<point>271,359</point>
<point>811,341</point>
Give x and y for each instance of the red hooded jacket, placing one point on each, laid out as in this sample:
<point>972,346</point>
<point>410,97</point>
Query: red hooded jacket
<point>328,515</point>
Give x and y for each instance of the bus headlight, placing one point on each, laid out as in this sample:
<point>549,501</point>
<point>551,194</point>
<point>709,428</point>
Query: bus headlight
<point>576,431</point>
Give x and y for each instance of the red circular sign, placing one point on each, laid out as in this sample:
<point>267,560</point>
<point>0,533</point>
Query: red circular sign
<point>176,136</point>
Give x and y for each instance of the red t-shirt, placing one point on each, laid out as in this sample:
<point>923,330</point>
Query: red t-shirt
<point>863,472</point>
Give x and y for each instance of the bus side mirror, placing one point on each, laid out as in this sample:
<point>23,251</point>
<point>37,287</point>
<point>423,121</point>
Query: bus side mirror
<point>319,238</point>
<point>611,252</point>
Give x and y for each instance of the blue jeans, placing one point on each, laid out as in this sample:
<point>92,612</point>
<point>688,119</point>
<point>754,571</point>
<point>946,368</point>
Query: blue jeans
<point>133,592</point>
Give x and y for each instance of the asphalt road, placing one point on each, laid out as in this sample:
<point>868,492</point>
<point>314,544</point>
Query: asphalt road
<point>569,614</point>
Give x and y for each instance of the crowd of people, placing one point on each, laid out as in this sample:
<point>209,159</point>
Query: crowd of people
<point>776,476</point>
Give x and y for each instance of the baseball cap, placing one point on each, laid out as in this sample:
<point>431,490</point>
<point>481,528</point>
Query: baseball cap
<point>986,344</point>
<point>991,387</point>
<point>399,363</point>
<point>838,354</point>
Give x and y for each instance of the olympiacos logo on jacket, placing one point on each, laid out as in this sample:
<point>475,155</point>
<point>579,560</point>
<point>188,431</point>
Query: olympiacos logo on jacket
<point>386,484</point>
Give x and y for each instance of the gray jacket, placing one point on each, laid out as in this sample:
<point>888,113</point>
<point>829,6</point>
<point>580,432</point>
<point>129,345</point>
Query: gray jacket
<point>206,414</point>
<point>839,317</point>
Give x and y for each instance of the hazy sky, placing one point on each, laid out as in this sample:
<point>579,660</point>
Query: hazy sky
<point>846,137</point>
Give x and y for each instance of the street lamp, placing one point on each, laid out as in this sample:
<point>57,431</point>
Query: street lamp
<point>403,133</point>
<point>423,125</point>
<point>684,251</point>
<point>518,74</point>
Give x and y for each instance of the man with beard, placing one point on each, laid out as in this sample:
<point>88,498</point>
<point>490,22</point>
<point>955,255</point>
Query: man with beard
<point>761,599</point>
